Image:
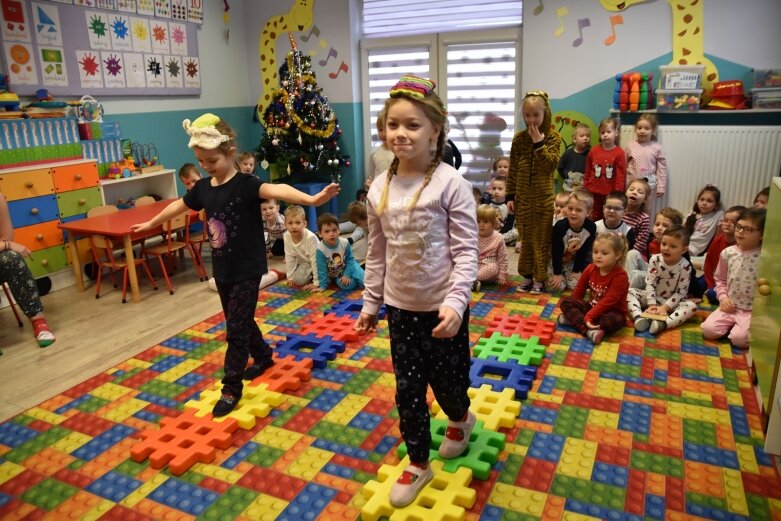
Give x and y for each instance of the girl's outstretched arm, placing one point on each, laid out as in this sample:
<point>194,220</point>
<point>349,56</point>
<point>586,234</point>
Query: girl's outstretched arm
<point>293,195</point>
<point>169,212</point>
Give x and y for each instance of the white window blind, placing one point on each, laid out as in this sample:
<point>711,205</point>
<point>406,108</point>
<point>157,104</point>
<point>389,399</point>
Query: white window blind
<point>404,17</point>
<point>477,79</point>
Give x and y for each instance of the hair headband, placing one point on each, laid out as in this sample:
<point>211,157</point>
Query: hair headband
<point>414,87</point>
<point>203,132</point>
<point>540,93</point>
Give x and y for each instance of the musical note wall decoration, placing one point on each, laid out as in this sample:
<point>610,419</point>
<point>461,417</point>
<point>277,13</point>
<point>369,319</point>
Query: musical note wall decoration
<point>561,12</point>
<point>538,9</point>
<point>331,53</point>
<point>342,68</point>
<point>315,30</point>
<point>582,24</point>
<point>615,19</point>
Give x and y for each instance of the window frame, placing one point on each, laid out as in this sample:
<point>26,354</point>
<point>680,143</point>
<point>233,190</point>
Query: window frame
<point>437,44</point>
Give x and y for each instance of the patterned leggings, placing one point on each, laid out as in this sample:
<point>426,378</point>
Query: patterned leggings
<point>637,302</point>
<point>239,300</point>
<point>575,311</point>
<point>488,271</point>
<point>15,272</point>
<point>419,361</point>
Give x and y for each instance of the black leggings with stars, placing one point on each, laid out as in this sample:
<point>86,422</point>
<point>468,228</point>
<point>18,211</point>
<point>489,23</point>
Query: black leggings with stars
<point>420,360</point>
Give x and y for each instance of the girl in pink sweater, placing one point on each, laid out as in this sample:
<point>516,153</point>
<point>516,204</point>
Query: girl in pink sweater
<point>492,261</point>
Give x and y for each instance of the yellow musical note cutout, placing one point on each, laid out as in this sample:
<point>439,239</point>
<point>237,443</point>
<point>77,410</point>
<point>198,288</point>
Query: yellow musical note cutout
<point>561,12</point>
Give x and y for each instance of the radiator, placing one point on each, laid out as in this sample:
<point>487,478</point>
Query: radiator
<point>740,160</point>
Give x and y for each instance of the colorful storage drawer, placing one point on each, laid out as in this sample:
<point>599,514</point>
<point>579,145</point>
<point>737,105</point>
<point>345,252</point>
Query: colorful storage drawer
<point>78,201</point>
<point>47,261</point>
<point>39,236</point>
<point>34,210</point>
<point>31,183</point>
<point>75,177</point>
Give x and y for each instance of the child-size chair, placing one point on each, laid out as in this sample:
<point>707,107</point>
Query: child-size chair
<point>196,239</point>
<point>166,251</point>
<point>103,252</point>
<point>13,306</point>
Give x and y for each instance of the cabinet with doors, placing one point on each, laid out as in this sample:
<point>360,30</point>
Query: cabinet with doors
<point>39,198</point>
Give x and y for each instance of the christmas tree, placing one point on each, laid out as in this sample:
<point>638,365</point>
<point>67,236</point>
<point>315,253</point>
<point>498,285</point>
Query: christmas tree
<point>301,137</point>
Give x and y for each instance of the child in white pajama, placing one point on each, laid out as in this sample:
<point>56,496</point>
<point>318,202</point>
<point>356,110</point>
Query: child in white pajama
<point>666,286</point>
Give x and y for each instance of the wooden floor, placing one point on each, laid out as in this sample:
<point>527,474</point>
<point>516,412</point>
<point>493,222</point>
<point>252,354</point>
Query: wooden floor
<point>95,334</point>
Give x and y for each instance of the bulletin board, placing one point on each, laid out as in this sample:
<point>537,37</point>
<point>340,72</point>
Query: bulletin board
<point>101,48</point>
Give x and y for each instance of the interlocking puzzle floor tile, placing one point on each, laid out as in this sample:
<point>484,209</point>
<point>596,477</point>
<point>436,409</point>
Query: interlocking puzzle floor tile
<point>639,427</point>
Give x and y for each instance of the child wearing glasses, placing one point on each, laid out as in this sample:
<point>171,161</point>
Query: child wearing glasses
<point>721,241</point>
<point>615,208</point>
<point>736,280</point>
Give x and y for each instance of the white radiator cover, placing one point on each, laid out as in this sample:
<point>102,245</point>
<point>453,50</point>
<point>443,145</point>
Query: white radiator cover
<point>740,160</point>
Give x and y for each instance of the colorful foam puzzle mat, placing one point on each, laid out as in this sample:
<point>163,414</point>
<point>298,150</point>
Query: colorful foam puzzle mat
<point>636,428</point>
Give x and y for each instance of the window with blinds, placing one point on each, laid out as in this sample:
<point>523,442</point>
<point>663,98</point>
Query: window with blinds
<point>402,17</point>
<point>476,77</point>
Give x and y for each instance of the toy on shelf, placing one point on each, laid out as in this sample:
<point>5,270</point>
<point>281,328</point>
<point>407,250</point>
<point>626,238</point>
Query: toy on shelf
<point>8,99</point>
<point>88,110</point>
<point>633,91</point>
<point>145,157</point>
<point>120,169</point>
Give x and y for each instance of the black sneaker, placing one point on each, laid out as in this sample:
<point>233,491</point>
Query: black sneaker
<point>257,369</point>
<point>224,405</point>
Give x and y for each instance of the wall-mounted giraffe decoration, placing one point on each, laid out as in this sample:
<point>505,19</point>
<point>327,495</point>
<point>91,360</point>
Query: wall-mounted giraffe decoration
<point>688,47</point>
<point>298,18</point>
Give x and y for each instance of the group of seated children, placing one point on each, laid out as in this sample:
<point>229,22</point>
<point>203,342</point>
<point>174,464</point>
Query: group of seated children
<point>310,263</point>
<point>647,272</point>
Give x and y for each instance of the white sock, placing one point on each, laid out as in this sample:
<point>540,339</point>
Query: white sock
<point>268,279</point>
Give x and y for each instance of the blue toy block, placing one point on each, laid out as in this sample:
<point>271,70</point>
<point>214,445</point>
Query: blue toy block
<point>635,417</point>
<point>217,328</point>
<point>339,471</point>
<point>626,359</point>
<point>491,513</point>
<point>385,445</point>
<point>158,400</point>
<point>581,345</point>
<point>737,416</point>
<point>599,512</point>
<point>339,448</point>
<point>189,379</point>
<point>166,363</point>
<point>319,350</point>
<point>639,392</point>
<point>508,375</point>
<point>548,310</point>
<point>538,414</point>
<point>352,308</point>
<point>184,496</point>
<point>610,474</point>
<point>113,486</point>
<point>308,503</point>
<point>480,309</point>
<point>147,416</point>
<point>547,446</point>
<point>654,506</point>
<point>73,404</point>
<point>326,400</point>
<point>699,349</point>
<point>332,375</point>
<point>183,344</point>
<point>708,512</point>
<point>101,443</point>
<point>701,378</point>
<point>365,421</point>
<point>660,375</point>
<point>547,385</point>
<point>12,434</point>
<point>710,455</point>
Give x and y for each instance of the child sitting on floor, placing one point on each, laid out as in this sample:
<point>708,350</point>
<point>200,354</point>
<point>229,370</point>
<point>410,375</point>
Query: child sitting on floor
<point>492,263</point>
<point>300,249</point>
<point>666,286</point>
<point>335,261</point>
<point>571,242</point>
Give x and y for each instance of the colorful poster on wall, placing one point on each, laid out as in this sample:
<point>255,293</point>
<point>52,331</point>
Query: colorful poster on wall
<point>163,8</point>
<point>20,60</point>
<point>121,39</point>
<point>53,69</point>
<point>110,5</point>
<point>104,49</point>
<point>154,70</point>
<point>126,6</point>
<point>46,24</point>
<point>90,70</point>
<point>195,11</point>
<point>113,69</point>
<point>173,72</point>
<point>145,7</point>
<point>97,30</point>
<point>179,9</point>
<point>177,33</point>
<point>15,23</point>
<point>134,69</point>
<point>159,34</point>
<point>139,29</point>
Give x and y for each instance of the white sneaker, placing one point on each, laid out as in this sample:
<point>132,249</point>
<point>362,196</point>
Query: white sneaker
<point>403,493</point>
<point>212,284</point>
<point>457,437</point>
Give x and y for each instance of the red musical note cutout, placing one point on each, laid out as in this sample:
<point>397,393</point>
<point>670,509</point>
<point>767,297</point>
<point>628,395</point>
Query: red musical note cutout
<point>334,75</point>
<point>615,19</point>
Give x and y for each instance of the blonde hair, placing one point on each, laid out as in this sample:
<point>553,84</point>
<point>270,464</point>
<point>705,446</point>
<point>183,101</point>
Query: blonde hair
<point>616,126</point>
<point>381,116</point>
<point>583,196</point>
<point>356,211</point>
<point>616,241</point>
<point>433,110</point>
<point>246,155</point>
<point>294,211</point>
<point>643,181</point>
<point>489,214</point>
<point>496,162</point>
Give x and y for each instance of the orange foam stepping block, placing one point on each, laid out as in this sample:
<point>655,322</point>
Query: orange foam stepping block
<point>338,328</point>
<point>183,441</point>
<point>287,374</point>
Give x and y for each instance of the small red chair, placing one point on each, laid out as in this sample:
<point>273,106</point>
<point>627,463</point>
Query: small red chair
<point>13,306</point>
<point>167,249</point>
<point>196,240</point>
<point>103,253</point>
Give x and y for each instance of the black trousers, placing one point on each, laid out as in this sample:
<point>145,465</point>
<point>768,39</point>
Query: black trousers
<point>420,360</point>
<point>239,300</point>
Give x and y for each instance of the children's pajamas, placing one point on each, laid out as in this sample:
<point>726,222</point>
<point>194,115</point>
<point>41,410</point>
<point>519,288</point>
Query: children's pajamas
<point>606,306</point>
<point>334,263</point>
<point>301,258</point>
<point>736,278</point>
<point>15,272</point>
<point>275,232</point>
<point>419,360</point>
<point>244,338</point>
<point>647,161</point>
<point>641,224</point>
<point>564,262</point>
<point>664,285</point>
<point>492,259</point>
<point>605,172</point>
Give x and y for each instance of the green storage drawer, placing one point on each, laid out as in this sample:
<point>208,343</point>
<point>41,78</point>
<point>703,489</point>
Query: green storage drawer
<point>47,261</point>
<point>78,201</point>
